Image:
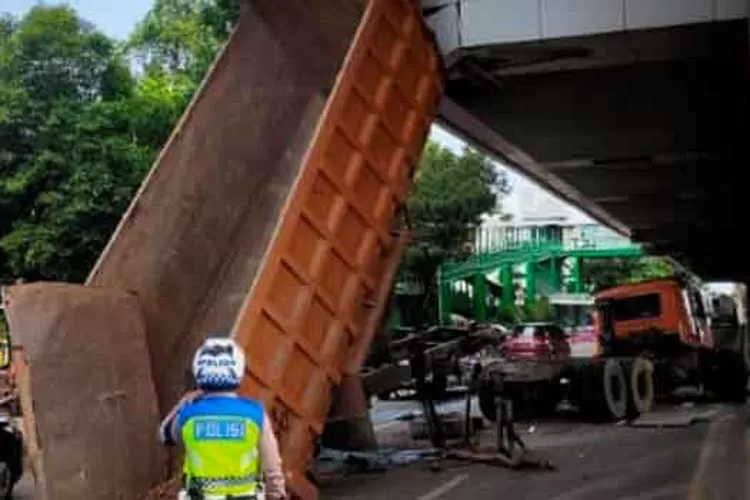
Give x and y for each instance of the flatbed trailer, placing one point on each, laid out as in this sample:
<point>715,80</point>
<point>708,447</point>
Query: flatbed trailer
<point>443,348</point>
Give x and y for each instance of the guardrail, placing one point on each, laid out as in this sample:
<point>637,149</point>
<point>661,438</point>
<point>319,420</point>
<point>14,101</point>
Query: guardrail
<point>561,238</point>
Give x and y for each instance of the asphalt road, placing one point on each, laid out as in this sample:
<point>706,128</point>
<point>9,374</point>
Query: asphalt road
<point>696,462</point>
<point>700,461</point>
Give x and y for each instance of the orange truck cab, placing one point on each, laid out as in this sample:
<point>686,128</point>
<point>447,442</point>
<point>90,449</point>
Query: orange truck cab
<point>667,322</point>
<point>656,315</point>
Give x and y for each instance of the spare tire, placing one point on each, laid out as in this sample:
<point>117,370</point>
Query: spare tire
<point>641,385</point>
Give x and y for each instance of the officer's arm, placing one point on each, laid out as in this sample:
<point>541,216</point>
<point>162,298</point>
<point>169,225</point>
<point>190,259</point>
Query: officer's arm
<point>168,434</point>
<point>270,460</point>
<point>168,430</point>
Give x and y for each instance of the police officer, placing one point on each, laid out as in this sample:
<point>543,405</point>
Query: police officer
<point>230,448</point>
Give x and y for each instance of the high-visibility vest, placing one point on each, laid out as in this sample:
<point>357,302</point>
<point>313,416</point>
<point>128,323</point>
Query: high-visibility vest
<point>222,437</point>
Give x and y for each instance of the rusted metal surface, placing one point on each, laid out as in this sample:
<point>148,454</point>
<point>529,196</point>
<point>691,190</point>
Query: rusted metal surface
<point>88,396</point>
<point>28,422</point>
<point>318,291</point>
<point>192,241</point>
<point>272,212</point>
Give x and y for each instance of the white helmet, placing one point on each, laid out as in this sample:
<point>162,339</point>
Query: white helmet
<point>219,365</point>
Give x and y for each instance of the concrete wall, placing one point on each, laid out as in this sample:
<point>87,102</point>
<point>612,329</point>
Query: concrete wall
<point>484,22</point>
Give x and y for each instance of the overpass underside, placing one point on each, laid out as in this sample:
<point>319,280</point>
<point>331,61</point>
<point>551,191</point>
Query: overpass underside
<point>647,130</point>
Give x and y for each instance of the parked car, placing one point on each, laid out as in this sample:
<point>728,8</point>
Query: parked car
<point>531,360</point>
<point>543,341</point>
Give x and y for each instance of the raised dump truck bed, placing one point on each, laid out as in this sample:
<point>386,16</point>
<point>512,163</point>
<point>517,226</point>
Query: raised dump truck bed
<point>274,210</point>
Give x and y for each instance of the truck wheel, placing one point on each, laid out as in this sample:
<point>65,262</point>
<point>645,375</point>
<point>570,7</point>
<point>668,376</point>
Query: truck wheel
<point>614,390</point>
<point>641,385</point>
<point>547,398</point>
<point>604,390</point>
<point>6,482</point>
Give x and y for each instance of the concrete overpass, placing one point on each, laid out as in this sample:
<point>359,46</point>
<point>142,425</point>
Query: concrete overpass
<point>634,110</point>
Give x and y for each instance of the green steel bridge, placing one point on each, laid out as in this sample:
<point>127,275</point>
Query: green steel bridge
<point>518,265</point>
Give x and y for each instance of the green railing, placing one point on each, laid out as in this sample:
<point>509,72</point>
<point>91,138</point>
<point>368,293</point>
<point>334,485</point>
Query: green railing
<point>566,238</point>
<point>540,249</point>
<point>493,247</point>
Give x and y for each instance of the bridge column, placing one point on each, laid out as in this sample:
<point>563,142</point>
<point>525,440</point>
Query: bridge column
<point>530,282</point>
<point>577,278</point>
<point>506,280</point>
<point>479,296</point>
<point>554,274</point>
<point>445,304</point>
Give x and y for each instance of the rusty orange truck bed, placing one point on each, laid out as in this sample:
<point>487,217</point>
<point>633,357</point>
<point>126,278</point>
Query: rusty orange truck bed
<point>273,212</point>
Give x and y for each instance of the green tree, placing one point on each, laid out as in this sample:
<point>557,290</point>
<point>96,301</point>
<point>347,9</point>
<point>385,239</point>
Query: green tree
<point>605,273</point>
<point>54,55</point>
<point>451,193</point>
<point>183,36</point>
<point>77,134</point>
<point>221,16</point>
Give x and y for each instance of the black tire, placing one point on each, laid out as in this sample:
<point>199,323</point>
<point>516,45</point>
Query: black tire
<point>546,399</point>
<point>6,482</point>
<point>604,391</point>
<point>640,374</point>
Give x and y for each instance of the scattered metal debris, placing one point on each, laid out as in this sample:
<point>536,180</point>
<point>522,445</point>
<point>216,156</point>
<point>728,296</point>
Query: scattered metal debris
<point>677,417</point>
<point>339,462</point>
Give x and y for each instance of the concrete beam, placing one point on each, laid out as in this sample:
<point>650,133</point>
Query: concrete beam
<point>477,132</point>
<point>678,234</point>
<point>616,112</point>
<point>487,22</point>
<point>657,212</point>
<point>680,180</point>
<point>698,41</point>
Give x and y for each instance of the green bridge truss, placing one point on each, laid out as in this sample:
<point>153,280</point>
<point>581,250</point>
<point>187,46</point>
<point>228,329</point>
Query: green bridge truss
<point>535,261</point>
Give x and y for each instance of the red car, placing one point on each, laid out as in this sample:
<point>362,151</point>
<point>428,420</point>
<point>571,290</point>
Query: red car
<point>533,357</point>
<point>537,342</point>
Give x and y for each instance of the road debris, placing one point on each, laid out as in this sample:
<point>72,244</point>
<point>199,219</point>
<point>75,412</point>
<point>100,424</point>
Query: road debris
<point>336,463</point>
<point>677,417</point>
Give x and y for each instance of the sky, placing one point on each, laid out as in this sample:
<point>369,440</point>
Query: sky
<point>117,18</point>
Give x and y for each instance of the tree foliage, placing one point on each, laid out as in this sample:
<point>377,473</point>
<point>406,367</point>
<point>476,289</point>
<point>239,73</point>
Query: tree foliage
<point>83,117</point>
<point>451,193</point>
<point>605,273</point>
<point>78,132</point>
<point>183,36</point>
